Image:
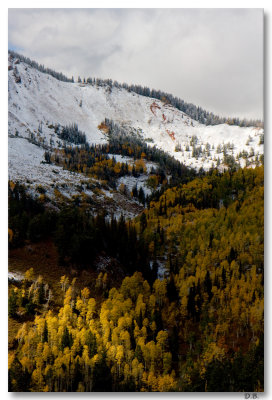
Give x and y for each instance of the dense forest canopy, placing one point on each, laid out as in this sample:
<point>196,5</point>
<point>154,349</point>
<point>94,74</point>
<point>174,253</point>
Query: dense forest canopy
<point>199,328</point>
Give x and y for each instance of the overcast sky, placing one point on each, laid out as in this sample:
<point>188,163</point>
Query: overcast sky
<point>210,57</point>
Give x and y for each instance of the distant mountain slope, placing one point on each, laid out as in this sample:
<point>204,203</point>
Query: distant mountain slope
<point>193,111</point>
<point>37,99</point>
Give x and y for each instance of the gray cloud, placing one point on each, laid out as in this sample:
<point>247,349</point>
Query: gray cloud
<point>210,57</point>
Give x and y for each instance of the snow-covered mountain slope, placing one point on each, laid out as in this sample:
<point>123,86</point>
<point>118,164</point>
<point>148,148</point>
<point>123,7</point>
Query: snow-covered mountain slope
<point>37,100</point>
<point>26,165</point>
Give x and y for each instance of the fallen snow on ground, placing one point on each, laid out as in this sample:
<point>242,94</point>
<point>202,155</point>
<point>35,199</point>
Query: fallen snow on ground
<point>41,98</point>
<point>130,182</point>
<point>26,164</point>
<point>15,276</point>
<point>40,101</point>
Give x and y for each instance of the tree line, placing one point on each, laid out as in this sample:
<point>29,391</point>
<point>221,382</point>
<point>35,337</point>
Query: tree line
<point>58,75</point>
<point>195,112</point>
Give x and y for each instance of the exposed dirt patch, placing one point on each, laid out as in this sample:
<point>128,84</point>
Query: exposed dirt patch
<point>153,107</point>
<point>43,258</point>
<point>171,134</point>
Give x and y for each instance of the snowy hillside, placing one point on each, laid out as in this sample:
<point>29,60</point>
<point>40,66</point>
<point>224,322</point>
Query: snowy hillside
<point>37,100</point>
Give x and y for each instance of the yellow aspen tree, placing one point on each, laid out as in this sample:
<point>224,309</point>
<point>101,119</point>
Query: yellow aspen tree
<point>21,333</point>
<point>166,383</point>
<point>87,363</point>
<point>134,370</point>
<point>143,333</point>
<point>136,331</point>
<point>144,381</point>
<point>151,351</point>
<point>160,290</point>
<point>29,275</point>
<point>140,306</point>
<point>67,314</point>
<point>91,309</point>
<point>146,322</point>
<point>105,325</point>
<point>151,303</point>
<point>37,381</point>
<point>115,336</point>
<point>152,382</point>
<point>26,363</point>
<point>80,323</point>
<point>64,282</point>
<point>126,372</point>
<point>52,325</point>
<point>146,288</point>
<point>85,294</point>
<point>162,341</point>
<point>125,340</point>
<point>39,325</point>
<point>39,352</point>
<point>76,343</point>
<point>212,352</point>
<point>68,297</point>
<point>111,353</point>
<point>119,357</point>
<point>121,324</point>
